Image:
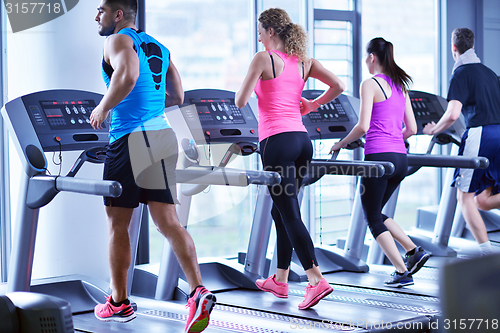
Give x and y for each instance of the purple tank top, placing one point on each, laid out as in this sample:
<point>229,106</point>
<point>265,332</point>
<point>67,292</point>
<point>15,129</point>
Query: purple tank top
<point>385,134</point>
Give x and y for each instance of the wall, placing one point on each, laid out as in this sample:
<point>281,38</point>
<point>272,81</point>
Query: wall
<point>64,53</point>
<point>491,22</point>
<point>483,18</point>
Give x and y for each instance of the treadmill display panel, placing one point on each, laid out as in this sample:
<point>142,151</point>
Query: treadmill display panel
<point>64,114</point>
<point>424,109</point>
<point>219,112</point>
<point>330,112</point>
<point>332,120</point>
<point>59,119</point>
<point>430,108</point>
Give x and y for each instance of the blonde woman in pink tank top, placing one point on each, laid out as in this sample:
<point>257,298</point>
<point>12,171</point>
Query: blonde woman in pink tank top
<point>278,75</point>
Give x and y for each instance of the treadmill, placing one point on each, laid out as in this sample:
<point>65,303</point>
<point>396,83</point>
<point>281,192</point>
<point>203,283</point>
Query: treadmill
<point>57,120</point>
<point>347,308</point>
<point>427,107</point>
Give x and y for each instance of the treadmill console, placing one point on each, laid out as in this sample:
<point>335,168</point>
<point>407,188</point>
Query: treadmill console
<point>430,108</point>
<point>332,120</point>
<point>212,116</point>
<point>59,119</point>
<point>336,118</point>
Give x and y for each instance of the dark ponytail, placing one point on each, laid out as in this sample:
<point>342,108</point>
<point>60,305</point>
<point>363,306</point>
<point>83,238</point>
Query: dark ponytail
<point>384,51</point>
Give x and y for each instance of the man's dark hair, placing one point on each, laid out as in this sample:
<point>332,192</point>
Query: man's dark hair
<point>129,7</point>
<point>463,39</point>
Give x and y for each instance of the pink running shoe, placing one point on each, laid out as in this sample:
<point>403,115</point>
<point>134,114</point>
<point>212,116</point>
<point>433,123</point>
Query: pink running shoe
<point>315,294</point>
<point>109,312</point>
<point>200,305</point>
<point>278,289</point>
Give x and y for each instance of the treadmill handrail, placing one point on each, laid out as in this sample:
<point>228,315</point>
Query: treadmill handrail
<point>107,188</point>
<point>263,177</point>
<point>319,167</point>
<point>446,161</point>
<point>353,168</point>
<point>42,188</point>
<point>210,175</point>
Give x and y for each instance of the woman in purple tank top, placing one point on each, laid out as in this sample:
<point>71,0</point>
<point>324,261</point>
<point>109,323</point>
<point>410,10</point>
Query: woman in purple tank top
<point>278,75</point>
<point>384,108</point>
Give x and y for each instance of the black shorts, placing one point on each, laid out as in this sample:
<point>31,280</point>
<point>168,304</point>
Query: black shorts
<point>144,164</point>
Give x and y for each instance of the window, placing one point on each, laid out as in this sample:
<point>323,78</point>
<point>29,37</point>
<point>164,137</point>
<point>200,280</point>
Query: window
<point>292,7</point>
<point>210,44</point>
<point>337,4</point>
<point>412,30</point>
<point>209,40</point>
<point>334,45</point>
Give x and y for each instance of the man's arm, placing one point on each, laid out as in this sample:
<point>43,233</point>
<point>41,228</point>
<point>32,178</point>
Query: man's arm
<point>174,93</point>
<point>119,53</point>
<point>449,117</point>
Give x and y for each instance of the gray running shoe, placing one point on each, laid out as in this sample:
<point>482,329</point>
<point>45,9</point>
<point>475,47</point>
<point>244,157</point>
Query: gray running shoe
<point>398,280</point>
<point>417,260</point>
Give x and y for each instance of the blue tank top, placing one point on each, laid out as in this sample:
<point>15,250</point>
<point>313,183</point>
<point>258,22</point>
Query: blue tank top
<point>143,108</point>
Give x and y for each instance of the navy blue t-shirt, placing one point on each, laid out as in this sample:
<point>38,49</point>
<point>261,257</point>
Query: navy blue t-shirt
<point>478,89</point>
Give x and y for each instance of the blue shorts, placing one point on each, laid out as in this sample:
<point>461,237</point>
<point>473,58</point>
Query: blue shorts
<point>480,141</point>
<point>144,164</point>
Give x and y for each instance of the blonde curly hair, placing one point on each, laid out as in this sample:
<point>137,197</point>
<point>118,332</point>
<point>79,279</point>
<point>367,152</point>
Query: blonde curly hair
<point>294,36</point>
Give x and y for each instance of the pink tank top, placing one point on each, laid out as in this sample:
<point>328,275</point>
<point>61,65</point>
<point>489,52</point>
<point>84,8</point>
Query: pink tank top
<point>385,134</point>
<point>279,100</point>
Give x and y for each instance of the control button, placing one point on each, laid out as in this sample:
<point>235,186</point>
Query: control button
<point>75,109</point>
<point>68,111</point>
<point>252,131</point>
<point>73,121</point>
<point>83,109</point>
<point>218,117</point>
<point>213,107</point>
<point>80,121</point>
<point>220,107</point>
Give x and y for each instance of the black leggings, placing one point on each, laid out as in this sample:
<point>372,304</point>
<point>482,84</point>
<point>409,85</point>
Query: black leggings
<point>289,154</point>
<point>375,192</point>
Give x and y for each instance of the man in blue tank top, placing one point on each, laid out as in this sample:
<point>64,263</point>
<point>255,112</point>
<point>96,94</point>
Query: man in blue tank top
<point>136,69</point>
<point>475,91</point>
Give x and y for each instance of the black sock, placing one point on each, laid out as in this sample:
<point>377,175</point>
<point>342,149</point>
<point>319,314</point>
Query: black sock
<point>411,252</point>
<point>194,290</point>
<point>125,301</point>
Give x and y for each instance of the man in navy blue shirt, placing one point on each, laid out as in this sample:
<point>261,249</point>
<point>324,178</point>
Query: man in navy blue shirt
<point>475,91</point>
